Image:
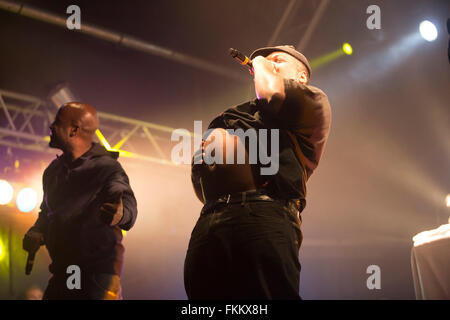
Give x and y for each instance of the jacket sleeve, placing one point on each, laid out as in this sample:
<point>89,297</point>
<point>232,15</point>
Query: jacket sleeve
<point>118,182</point>
<point>41,224</point>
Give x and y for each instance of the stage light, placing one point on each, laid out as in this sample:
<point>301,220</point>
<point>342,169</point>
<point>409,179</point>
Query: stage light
<point>6,192</point>
<point>347,48</point>
<point>2,252</point>
<point>61,95</point>
<point>103,140</point>
<point>428,30</point>
<point>26,200</point>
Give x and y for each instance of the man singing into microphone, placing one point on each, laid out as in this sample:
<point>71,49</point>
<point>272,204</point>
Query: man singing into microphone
<point>87,203</point>
<point>246,242</point>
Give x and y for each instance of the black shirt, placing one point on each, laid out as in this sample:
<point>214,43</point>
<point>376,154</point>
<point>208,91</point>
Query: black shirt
<point>305,116</point>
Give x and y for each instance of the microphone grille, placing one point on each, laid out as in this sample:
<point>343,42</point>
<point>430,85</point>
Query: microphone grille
<point>234,53</point>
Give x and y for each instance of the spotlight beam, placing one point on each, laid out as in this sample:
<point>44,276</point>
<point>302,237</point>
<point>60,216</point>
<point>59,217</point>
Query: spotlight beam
<point>346,49</point>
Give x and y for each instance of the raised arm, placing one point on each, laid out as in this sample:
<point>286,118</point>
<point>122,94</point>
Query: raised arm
<point>120,207</point>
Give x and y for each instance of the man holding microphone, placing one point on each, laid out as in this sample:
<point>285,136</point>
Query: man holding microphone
<point>87,203</point>
<point>246,242</point>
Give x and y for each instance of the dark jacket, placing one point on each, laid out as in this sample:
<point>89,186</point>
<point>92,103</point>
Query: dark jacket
<point>70,212</point>
<point>306,115</point>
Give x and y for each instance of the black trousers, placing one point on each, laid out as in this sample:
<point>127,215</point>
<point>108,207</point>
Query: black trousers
<point>94,286</point>
<point>245,251</point>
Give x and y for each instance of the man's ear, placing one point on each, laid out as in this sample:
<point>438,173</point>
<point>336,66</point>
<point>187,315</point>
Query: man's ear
<point>74,130</point>
<point>302,77</point>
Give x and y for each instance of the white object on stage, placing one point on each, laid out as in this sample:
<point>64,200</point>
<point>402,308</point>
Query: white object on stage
<point>430,262</point>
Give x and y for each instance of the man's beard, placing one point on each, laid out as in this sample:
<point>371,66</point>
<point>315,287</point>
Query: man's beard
<point>55,142</point>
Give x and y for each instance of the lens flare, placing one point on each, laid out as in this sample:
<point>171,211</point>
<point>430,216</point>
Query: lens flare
<point>6,192</point>
<point>26,199</point>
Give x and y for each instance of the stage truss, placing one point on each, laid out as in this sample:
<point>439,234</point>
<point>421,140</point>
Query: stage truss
<point>25,121</point>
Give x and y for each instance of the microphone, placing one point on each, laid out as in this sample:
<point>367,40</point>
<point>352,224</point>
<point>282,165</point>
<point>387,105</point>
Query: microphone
<point>30,262</point>
<point>243,59</point>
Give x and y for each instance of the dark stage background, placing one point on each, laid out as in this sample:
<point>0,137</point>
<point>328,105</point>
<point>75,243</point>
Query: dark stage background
<point>383,177</point>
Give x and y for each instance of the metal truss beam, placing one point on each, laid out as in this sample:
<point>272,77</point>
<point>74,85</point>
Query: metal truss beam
<point>120,39</point>
<point>24,124</point>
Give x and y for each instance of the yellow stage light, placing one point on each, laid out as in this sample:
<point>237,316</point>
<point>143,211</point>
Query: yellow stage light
<point>347,48</point>
<point>326,58</point>
<point>102,139</point>
<point>128,154</point>
<point>331,56</point>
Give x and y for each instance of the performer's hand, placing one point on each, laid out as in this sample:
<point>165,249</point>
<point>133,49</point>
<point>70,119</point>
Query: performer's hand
<point>269,83</point>
<point>261,63</point>
<point>32,241</point>
<point>112,212</point>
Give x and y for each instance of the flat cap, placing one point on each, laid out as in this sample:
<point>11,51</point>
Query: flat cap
<point>285,48</point>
